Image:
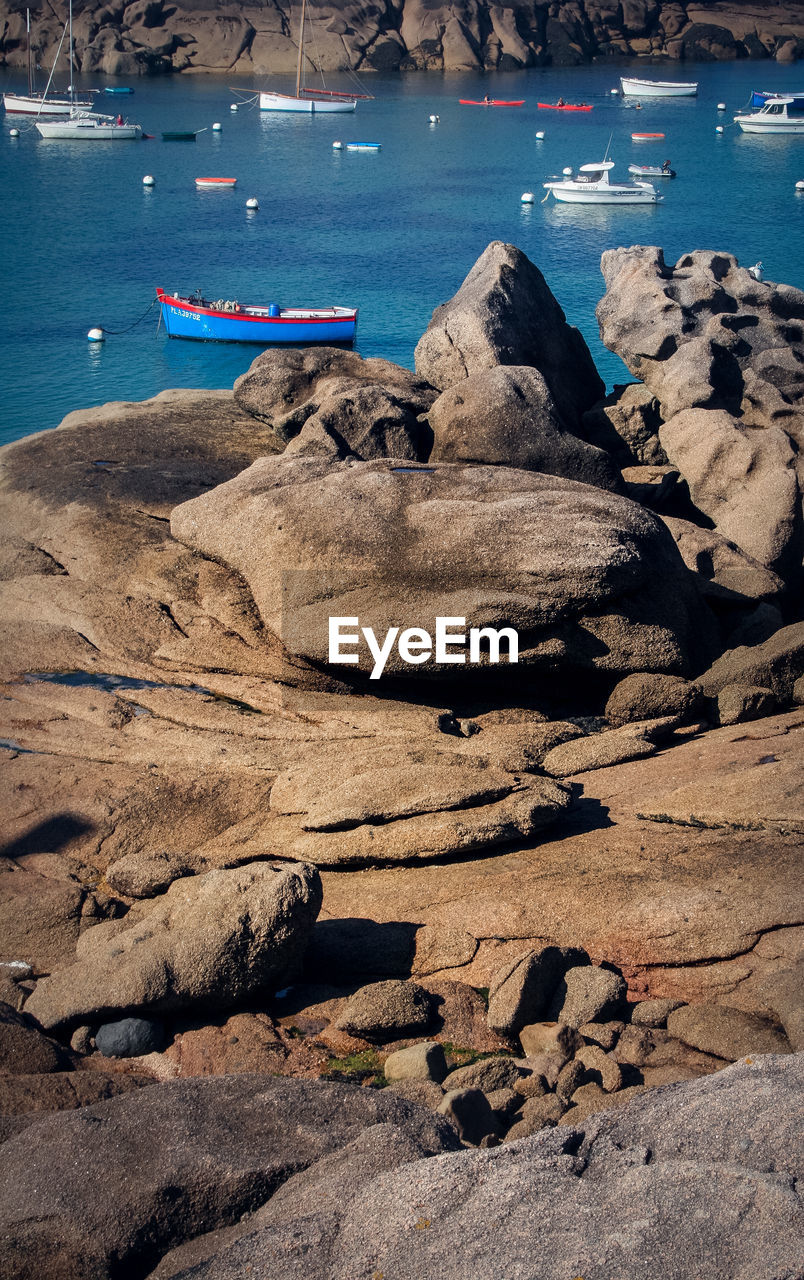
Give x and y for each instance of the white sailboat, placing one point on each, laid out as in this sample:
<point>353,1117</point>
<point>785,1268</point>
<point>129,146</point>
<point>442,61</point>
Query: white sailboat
<point>33,103</point>
<point>81,124</point>
<point>309,101</point>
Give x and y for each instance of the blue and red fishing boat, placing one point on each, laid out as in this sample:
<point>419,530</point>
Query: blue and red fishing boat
<point>227,320</point>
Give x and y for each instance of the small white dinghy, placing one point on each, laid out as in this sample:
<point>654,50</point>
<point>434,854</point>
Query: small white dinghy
<point>632,88</point>
<point>591,184</point>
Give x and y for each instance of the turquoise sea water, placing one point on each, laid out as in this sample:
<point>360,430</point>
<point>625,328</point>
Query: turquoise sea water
<point>393,232</point>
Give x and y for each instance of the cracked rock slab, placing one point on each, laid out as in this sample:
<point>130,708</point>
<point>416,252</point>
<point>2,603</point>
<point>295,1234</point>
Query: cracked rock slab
<point>401,805</point>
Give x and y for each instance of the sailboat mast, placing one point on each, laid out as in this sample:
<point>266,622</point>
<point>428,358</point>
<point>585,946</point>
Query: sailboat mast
<point>30,65</point>
<point>72,91</point>
<point>301,51</point>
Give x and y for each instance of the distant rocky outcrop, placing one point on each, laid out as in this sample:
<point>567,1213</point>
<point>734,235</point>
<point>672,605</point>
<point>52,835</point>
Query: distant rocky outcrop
<point>154,37</point>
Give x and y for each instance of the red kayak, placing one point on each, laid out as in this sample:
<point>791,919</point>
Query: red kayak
<point>490,102</point>
<point>563,106</point>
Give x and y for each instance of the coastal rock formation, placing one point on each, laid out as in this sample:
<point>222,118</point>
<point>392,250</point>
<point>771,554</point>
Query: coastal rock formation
<point>211,940</point>
<point>296,531</point>
<point>157,38</point>
<point>506,416</point>
<point>505,314</point>
<point>723,354</point>
<point>552,895</point>
<point>122,1182</point>
<point>569,1194</point>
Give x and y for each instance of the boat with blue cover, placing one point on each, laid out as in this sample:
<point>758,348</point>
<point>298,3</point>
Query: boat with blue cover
<point>226,320</point>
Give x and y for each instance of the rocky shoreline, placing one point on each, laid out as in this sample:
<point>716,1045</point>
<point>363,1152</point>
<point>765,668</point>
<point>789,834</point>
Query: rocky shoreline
<point>307,973</point>
<point>157,38</point>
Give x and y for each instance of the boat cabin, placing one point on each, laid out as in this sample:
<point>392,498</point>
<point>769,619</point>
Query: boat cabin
<point>787,108</point>
<point>594,172</point>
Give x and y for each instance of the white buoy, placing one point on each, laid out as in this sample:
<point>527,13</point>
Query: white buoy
<point>13,133</point>
<point>719,128</point>
<point>567,172</point>
<point>252,203</point>
<point>540,134</point>
<point>96,335</point>
<point>233,107</point>
<point>434,119</point>
<point>337,146</point>
<point>721,106</point>
<point>149,180</point>
<point>216,128</point>
<point>614,90</point>
<point>800,185</point>
<point>527,197</point>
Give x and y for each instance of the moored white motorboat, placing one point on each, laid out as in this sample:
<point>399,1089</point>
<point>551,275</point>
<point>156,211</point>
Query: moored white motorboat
<point>657,88</point>
<point>779,115</point>
<point>591,184</point>
<point>88,126</point>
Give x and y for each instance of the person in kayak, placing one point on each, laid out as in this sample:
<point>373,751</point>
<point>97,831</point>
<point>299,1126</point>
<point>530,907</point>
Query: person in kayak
<point>560,102</point>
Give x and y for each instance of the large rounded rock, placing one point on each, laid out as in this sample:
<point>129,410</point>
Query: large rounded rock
<point>211,940</point>
<point>587,578</point>
<point>506,416</point>
<point>505,314</point>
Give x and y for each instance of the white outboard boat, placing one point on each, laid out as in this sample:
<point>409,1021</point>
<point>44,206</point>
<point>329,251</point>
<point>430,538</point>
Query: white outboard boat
<point>591,184</point>
<point>779,115</point>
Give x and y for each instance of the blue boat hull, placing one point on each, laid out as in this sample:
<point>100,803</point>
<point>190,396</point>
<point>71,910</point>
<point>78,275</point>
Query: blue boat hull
<point>203,323</point>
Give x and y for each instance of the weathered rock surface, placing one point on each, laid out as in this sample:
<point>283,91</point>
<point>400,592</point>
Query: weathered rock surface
<point>400,805</point>
<point>726,1033</point>
<point>520,993</point>
<point>109,1196</point>
<point>212,940</point>
<point>387,1011</point>
<point>617,599</point>
<point>561,1196</point>
<point>331,401</point>
<point>257,41</point>
<point>775,664</point>
<point>636,843</point>
<point>25,1049</point>
<point>723,354</point>
<point>505,314</point>
<point>587,993</point>
<point>506,416</point>
<point>626,424</point>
